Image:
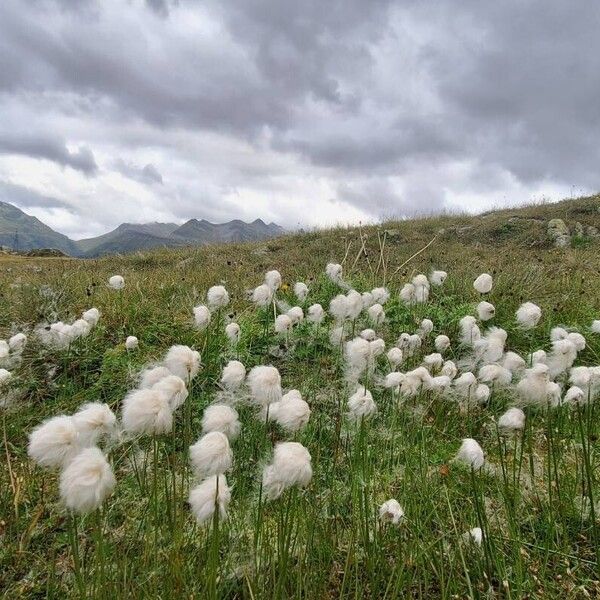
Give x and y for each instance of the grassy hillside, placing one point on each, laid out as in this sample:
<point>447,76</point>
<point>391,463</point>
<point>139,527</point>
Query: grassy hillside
<point>537,500</point>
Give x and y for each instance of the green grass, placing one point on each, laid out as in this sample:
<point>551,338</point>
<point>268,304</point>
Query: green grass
<point>532,501</point>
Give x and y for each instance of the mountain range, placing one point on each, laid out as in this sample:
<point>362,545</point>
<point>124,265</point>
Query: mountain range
<point>20,231</point>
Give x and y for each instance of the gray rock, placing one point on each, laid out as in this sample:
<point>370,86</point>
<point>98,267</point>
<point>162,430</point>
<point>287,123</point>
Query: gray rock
<point>559,233</point>
<point>392,234</point>
<point>592,231</point>
<point>578,230</point>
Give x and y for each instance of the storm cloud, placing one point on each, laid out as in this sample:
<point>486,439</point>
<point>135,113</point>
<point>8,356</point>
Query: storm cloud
<point>166,110</point>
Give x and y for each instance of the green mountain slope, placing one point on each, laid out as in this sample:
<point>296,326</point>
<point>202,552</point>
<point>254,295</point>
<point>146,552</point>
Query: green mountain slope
<point>20,231</point>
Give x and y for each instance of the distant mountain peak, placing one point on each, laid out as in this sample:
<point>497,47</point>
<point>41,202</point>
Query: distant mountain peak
<point>29,233</point>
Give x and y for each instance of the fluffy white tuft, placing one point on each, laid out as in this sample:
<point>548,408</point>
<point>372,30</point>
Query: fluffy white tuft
<point>291,412</point>
<point>262,295</point>
<point>211,455</point>
<point>438,278</point>
<point>558,333</point>
<point>296,314</point>
<point>174,389</point>
<point>147,411</point>
<point>338,307</point>
<point>421,287</point>
<point>380,295</point>
<point>368,334</point>
<point>512,420</point>
<point>595,326</point>
<point>232,331</point>
<point>495,374</point>
<point>80,328</point>
<point>357,353</point>
<point>577,340</point>
<point>367,299</point>
<point>514,363</point>
<point>233,375</point>
<point>469,330</point>
<point>394,380</point>
<point>442,343</point>
<point>465,385</point>
<point>482,393</point>
<point>92,316</point>
<point>528,315</point>
<point>439,384</point>
<point>131,343</point>
<point>17,343</point>
<point>470,453</point>
<point>391,512</point>
<point>53,443</point>
<point>376,314</point>
<point>183,362</point>
<point>222,418</point>
<point>414,344</point>
<point>291,466</point>
<point>561,357</point>
<point>93,421</point>
<point>116,282</point>
<point>415,381</point>
<point>532,389</point>
<point>485,311</point>
<point>153,375</point>
<point>265,385</point>
<point>300,291</point>
<point>87,481</point>
<point>273,280</point>
<point>449,369</point>
<point>408,294</point>
<point>433,362</point>
<point>395,357</point>
<point>283,324</point>
<point>334,272</point>
<point>425,328</point>
<point>354,305</point>
<point>217,297</point>
<point>201,316</point>
<point>361,404</point>
<point>575,395</point>
<point>537,357</point>
<point>377,347</point>
<point>210,494</point>
<point>490,348</point>
<point>483,284</point>
<point>316,314</point>
<point>5,376</point>
<point>580,376</point>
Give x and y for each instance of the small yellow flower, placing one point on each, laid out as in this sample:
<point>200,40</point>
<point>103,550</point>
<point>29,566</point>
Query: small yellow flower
<point>285,287</point>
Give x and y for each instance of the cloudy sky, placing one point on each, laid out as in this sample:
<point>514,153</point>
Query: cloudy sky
<point>302,112</point>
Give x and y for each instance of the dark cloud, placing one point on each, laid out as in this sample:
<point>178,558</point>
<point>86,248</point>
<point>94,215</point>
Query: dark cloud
<point>161,7</point>
<point>24,197</point>
<point>81,159</point>
<point>148,174</point>
<point>395,107</point>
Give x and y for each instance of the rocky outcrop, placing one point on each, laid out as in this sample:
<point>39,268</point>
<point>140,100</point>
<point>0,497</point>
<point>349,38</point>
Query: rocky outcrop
<point>559,233</point>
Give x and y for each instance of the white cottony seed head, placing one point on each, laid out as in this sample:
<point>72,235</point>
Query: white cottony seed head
<point>87,481</point>
<point>483,284</point>
<point>470,453</point>
<point>391,512</point>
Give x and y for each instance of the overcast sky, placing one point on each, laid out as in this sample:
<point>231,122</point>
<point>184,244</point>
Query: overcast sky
<point>302,112</point>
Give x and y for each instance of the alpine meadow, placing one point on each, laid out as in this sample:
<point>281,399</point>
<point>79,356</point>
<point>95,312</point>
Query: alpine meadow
<point>406,410</point>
